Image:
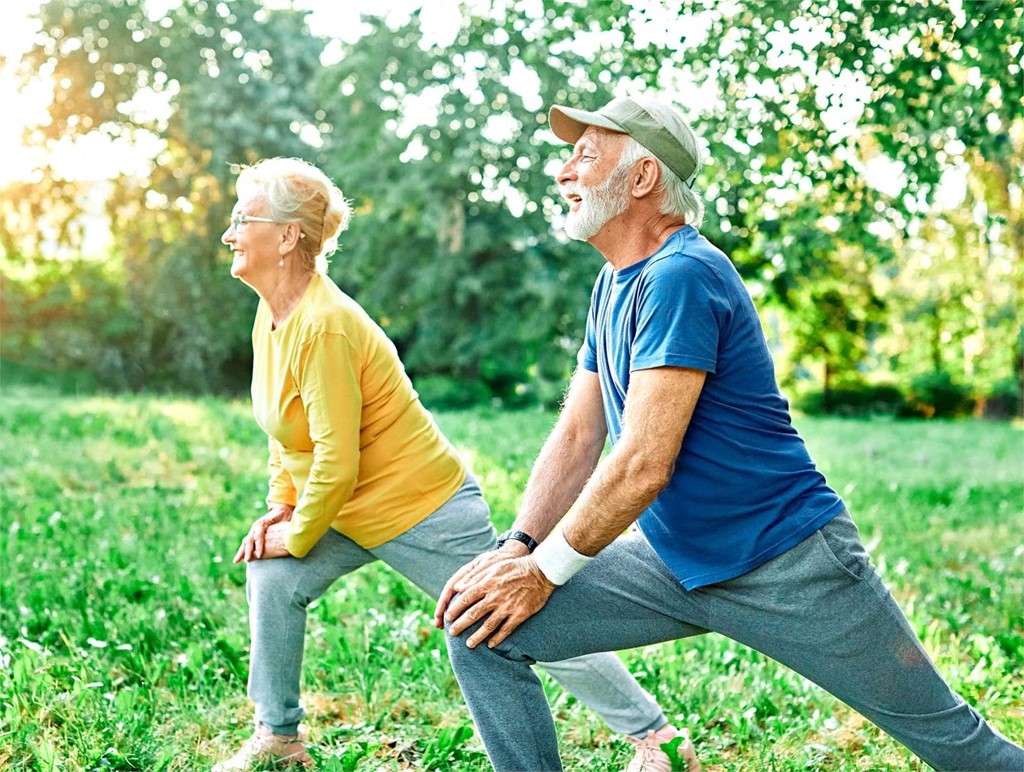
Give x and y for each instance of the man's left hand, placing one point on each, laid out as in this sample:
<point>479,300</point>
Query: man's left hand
<point>504,595</point>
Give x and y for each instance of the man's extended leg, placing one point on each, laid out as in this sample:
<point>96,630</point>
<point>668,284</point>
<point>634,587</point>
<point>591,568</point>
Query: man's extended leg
<point>821,609</point>
<point>818,608</point>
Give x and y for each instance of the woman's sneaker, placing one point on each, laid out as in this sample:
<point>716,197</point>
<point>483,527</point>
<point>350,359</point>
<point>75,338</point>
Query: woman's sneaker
<point>266,748</point>
<point>650,757</point>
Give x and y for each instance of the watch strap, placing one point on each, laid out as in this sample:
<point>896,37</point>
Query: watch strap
<point>525,538</point>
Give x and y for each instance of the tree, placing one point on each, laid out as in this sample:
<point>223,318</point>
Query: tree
<point>451,247</point>
<point>234,79</point>
<point>809,95</point>
<point>444,147</point>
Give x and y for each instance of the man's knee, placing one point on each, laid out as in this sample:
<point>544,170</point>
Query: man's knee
<point>459,653</point>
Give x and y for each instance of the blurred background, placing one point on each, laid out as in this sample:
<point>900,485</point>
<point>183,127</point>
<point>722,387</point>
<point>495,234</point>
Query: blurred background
<point>865,173</point>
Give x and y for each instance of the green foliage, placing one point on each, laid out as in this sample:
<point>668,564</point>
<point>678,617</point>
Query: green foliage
<point>15,376</point>
<point>808,96</point>
<point>676,758</point>
<point>447,749</point>
<point>861,399</point>
<point>68,315</point>
<point>934,394</point>
<point>123,634</point>
<point>452,247</point>
<point>937,394</point>
<point>444,148</point>
<point>440,392</point>
<point>226,73</point>
<point>1004,399</point>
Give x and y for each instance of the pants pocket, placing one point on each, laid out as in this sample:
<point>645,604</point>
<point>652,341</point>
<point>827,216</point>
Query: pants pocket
<point>840,541</point>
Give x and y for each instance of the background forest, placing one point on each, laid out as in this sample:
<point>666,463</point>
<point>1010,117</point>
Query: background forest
<point>865,175</point>
<point>865,172</point>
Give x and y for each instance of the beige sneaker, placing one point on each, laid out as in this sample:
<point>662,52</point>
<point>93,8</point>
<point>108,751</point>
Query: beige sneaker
<point>269,750</point>
<point>649,756</point>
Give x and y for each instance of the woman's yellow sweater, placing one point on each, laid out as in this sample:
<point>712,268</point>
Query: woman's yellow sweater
<point>350,444</point>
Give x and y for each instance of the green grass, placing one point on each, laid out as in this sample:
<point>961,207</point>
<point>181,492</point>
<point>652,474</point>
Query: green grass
<point>123,623</point>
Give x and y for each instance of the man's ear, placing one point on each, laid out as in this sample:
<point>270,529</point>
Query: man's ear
<point>646,177</point>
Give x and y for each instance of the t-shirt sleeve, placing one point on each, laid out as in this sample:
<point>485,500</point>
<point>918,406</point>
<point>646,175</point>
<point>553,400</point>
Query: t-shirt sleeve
<point>327,374</point>
<point>680,316</point>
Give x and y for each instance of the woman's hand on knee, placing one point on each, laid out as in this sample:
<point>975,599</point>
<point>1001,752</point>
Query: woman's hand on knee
<point>254,545</point>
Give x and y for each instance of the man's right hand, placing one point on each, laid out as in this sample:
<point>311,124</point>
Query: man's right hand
<point>466,575</point>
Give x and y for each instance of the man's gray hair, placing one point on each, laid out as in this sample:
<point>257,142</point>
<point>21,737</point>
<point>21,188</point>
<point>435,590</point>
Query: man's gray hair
<point>677,197</point>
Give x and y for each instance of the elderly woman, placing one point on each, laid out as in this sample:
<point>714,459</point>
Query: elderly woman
<point>359,471</point>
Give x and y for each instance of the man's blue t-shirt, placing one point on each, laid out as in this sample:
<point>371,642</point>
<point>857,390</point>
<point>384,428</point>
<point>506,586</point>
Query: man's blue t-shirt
<point>744,489</point>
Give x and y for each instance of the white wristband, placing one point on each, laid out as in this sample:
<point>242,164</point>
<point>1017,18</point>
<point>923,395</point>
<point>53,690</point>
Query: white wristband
<point>557,560</point>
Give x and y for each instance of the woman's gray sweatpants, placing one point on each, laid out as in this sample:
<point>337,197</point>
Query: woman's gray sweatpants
<point>818,608</point>
<point>280,589</point>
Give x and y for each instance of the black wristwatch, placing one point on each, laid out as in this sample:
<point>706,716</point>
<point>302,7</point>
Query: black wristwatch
<point>525,538</point>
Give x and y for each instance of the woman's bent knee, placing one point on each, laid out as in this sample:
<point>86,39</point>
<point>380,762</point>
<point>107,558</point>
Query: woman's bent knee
<point>275,578</point>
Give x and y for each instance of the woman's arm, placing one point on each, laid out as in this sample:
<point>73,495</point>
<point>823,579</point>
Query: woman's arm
<point>327,373</point>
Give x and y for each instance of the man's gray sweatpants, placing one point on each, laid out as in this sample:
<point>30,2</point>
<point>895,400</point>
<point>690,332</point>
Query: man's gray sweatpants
<point>818,608</point>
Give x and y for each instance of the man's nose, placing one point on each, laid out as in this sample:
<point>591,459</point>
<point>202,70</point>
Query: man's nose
<point>567,173</point>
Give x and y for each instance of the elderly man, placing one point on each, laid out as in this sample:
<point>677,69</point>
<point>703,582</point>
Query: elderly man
<point>738,532</point>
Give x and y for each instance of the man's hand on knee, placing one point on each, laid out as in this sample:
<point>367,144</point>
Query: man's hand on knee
<point>502,594</point>
<point>468,573</point>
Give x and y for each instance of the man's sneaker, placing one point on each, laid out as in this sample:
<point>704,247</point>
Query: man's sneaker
<point>271,750</point>
<point>650,757</point>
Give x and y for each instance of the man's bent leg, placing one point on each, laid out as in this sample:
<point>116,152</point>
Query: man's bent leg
<point>434,549</point>
<point>821,609</point>
<point>624,598</point>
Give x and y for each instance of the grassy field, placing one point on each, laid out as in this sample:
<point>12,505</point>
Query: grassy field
<point>123,622</point>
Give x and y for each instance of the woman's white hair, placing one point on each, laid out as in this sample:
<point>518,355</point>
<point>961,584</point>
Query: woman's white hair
<point>297,191</point>
<point>677,197</point>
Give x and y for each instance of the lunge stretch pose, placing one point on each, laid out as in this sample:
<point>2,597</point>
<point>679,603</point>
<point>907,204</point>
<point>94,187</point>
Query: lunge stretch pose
<point>738,532</point>
<point>359,471</point>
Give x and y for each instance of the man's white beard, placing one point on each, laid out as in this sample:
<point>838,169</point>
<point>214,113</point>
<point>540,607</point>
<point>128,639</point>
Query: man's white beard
<point>598,206</point>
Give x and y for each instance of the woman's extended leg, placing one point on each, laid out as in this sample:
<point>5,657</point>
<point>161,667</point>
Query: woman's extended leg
<point>429,553</point>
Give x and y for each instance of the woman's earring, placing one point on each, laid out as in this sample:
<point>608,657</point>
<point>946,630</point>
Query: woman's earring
<point>280,263</point>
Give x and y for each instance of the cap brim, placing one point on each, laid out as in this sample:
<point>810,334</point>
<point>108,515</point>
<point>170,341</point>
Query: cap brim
<point>568,123</point>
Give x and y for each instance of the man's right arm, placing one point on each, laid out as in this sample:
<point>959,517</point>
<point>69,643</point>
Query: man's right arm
<point>565,463</point>
<point>567,459</point>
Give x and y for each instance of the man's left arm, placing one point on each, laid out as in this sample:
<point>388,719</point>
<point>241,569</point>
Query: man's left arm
<point>659,405</point>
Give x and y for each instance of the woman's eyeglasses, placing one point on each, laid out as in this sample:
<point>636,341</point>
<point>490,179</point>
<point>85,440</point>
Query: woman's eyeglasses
<point>239,220</point>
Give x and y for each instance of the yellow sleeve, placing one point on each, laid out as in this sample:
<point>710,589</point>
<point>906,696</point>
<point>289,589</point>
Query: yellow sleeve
<point>282,489</point>
<point>327,374</point>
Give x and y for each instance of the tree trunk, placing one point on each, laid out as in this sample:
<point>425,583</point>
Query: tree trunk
<point>826,391</point>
